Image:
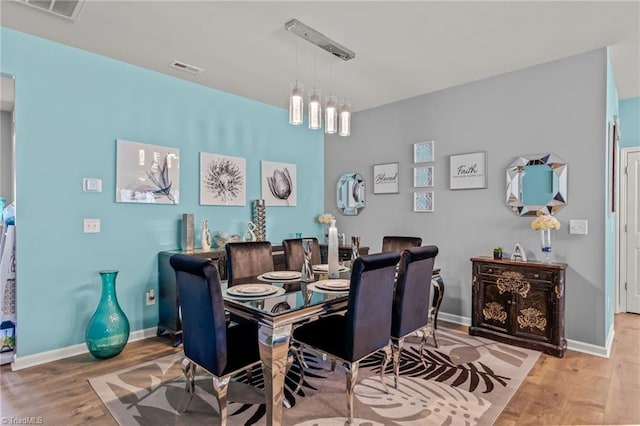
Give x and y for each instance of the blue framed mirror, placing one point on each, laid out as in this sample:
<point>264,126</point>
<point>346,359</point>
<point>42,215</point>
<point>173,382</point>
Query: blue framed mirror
<point>350,194</point>
<point>537,183</point>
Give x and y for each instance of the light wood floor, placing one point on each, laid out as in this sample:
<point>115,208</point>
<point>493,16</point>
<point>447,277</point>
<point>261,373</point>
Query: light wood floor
<point>578,389</point>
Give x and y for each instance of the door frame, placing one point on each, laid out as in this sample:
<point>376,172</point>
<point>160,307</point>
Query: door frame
<point>621,252</point>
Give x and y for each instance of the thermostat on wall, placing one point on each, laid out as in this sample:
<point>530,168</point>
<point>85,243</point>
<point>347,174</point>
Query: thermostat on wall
<point>92,185</point>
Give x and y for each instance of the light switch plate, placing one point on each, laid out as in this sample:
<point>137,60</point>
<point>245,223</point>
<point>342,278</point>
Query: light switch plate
<point>91,226</point>
<point>579,227</point>
<point>92,185</point>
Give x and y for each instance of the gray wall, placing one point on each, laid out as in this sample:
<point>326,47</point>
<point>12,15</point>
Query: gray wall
<point>556,107</point>
<point>6,155</point>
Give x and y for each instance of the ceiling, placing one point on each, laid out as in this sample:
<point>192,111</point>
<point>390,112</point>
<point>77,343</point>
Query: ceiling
<point>403,49</point>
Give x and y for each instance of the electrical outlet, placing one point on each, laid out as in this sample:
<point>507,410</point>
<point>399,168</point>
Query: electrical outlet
<point>151,297</point>
<point>579,227</point>
<point>91,226</point>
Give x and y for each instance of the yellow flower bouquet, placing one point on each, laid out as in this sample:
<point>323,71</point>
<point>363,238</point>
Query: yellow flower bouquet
<point>545,221</point>
<point>325,218</point>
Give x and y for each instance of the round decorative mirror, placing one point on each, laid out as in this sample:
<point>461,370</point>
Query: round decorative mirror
<point>350,194</point>
<point>537,183</point>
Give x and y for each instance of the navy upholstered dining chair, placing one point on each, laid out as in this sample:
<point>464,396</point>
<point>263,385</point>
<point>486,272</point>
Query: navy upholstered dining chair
<point>397,243</point>
<point>208,341</point>
<point>294,255</point>
<point>366,326</point>
<point>411,304</point>
<point>247,259</point>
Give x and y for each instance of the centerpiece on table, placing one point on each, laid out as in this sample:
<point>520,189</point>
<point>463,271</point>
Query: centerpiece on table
<point>326,219</point>
<point>545,223</point>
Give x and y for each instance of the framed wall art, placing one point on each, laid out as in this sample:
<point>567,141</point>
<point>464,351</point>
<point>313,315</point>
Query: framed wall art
<point>279,186</point>
<point>423,202</point>
<point>385,178</point>
<point>423,176</point>
<point>423,152</point>
<point>147,173</point>
<point>468,171</point>
<point>223,180</point>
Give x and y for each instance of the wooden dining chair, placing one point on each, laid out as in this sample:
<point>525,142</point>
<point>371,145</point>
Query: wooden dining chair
<point>395,243</point>
<point>247,259</point>
<point>209,342</point>
<point>366,326</point>
<point>411,304</point>
<point>294,255</point>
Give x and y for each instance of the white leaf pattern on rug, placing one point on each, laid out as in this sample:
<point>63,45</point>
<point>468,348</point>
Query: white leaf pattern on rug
<point>417,401</point>
<point>339,421</point>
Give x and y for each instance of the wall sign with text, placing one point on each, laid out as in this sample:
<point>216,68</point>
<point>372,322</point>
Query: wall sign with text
<point>468,171</point>
<point>385,178</point>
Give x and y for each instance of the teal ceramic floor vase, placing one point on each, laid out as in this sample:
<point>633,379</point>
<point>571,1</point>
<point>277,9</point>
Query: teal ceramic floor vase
<point>108,330</point>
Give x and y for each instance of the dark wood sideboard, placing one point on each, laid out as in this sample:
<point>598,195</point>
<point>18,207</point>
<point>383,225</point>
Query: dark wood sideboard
<point>344,252</point>
<point>519,303</point>
<point>168,303</point>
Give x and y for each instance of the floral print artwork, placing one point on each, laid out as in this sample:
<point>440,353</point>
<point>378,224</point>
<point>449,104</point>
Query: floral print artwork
<point>222,180</point>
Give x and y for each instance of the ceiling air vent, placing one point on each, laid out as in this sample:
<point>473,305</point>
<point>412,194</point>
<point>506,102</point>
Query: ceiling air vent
<point>182,66</point>
<point>69,9</point>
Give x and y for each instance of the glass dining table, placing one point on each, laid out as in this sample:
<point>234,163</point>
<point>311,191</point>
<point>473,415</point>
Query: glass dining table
<point>294,302</point>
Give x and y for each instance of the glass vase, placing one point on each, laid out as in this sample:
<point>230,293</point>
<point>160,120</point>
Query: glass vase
<point>545,244</point>
<point>108,330</point>
<point>306,274</point>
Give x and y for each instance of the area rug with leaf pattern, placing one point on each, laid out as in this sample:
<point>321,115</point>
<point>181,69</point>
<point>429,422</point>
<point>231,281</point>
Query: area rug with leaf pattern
<point>465,381</point>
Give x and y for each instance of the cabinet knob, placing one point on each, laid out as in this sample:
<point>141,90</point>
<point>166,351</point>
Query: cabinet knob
<point>490,270</point>
<point>536,275</point>
<point>508,302</point>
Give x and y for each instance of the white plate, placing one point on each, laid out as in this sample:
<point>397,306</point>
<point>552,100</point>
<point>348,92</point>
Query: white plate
<point>284,275</point>
<point>314,288</point>
<point>253,298</point>
<point>323,267</point>
<point>252,290</point>
<point>335,285</point>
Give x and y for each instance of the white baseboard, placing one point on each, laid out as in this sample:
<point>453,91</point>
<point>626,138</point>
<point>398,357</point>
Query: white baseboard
<point>455,319</point>
<point>21,362</point>
<point>574,345</point>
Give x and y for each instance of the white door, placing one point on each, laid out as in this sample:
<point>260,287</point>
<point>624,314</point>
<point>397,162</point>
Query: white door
<point>633,232</point>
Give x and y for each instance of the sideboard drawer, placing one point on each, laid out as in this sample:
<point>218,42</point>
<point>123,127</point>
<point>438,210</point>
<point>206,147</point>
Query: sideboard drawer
<point>528,273</point>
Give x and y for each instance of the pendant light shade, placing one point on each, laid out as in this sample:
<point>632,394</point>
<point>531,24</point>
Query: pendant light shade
<point>315,110</point>
<point>331,115</point>
<point>296,104</point>
<point>345,119</point>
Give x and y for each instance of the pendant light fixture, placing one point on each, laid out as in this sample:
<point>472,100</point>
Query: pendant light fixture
<point>315,110</point>
<point>296,104</point>
<point>331,115</point>
<point>345,119</point>
<point>334,114</point>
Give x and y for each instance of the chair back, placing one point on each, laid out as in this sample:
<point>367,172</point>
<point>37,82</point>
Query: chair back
<point>248,259</point>
<point>368,317</point>
<point>397,244</point>
<point>413,288</point>
<point>294,255</point>
<point>204,331</point>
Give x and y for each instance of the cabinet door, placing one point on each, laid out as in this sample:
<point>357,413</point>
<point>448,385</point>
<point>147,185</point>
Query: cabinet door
<point>492,311</point>
<point>533,313</point>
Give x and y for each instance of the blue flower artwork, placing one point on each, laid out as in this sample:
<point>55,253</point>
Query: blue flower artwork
<point>423,202</point>
<point>423,152</point>
<point>423,177</point>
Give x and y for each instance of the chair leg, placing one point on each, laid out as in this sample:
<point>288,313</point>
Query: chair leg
<point>220,388</point>
<point>387,357</point>
<point>396,348</point>
<point>351,370</point>
<point>298,355</point>
<point>426,331</point>
<point>189,372</point>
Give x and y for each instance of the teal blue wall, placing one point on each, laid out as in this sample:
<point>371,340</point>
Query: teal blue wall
<point>610,231</point>
<point>71,106</point>
<point>630,122</point>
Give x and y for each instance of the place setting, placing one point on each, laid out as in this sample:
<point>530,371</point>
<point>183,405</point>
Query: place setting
<point>323,268</point>
<point>333,286</point>
<point>280,276</point>
<point>254,291</point>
